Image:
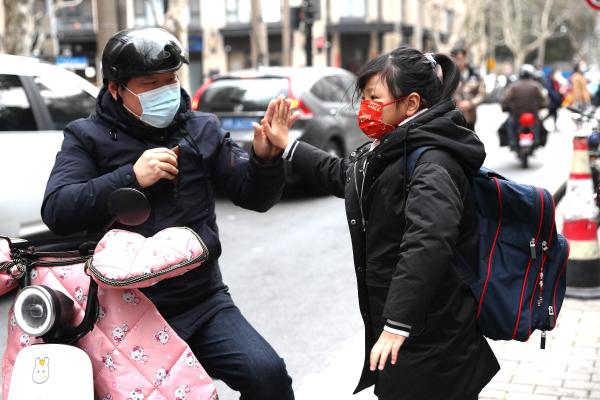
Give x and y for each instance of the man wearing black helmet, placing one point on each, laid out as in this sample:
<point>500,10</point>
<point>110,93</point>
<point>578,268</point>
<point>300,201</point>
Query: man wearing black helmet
<point>144,135</point>
<point>526,95</point>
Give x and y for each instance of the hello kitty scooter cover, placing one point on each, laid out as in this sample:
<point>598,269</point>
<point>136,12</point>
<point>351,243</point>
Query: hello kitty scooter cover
<point>134,353</point>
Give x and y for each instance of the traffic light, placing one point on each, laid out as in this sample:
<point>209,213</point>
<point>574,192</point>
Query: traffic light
<point>296,16</point>
<point>312,10</point>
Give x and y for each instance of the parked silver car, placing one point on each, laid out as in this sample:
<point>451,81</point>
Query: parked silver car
<point>322,96</point>
<point>37,100</point>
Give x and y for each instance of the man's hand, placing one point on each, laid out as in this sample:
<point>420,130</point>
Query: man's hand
<point>154,165</point>
<point>387,343</point>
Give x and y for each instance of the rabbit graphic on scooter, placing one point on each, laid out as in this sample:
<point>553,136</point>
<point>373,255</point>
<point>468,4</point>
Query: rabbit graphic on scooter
<point>41,370</point>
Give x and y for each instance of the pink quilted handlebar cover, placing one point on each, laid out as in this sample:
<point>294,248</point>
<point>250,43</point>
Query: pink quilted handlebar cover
<point>129,260</point>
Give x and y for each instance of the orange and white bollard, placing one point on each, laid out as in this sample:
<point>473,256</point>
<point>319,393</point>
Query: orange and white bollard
<point>581,226</point>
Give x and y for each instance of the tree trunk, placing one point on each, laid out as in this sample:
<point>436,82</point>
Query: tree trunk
<point>1,26</point>
<point>541,55</point>
<point>418,30</point>
<point>259,48</point>
<point>18,27</point>
<point>286,35</point>
<point>177,21</point>
<point>519,60</point>
<point>106,10</point>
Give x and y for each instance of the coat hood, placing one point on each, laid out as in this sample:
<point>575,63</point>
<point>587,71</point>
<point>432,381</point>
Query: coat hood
<point>442,126</point>
<point>119,118</point>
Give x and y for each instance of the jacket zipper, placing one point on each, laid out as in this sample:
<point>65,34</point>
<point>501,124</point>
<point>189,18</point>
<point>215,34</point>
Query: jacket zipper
<point>359,194</point>
<point>145,277</point>
<point>532,245</point>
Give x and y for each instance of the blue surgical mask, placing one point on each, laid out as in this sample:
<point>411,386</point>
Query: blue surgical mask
<point>159,105</point>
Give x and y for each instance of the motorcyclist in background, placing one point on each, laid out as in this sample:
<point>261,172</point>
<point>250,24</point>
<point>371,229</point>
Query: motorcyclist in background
<point>525,95</point>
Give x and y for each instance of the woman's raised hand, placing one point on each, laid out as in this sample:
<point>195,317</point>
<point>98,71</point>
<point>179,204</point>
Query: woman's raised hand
<point>263,148</point>
<point>278,119</point>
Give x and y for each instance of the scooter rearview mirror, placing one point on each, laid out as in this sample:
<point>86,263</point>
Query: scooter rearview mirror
<point>128,206</point>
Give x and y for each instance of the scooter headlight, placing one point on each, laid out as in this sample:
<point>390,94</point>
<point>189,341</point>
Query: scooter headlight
<point>38,308</point>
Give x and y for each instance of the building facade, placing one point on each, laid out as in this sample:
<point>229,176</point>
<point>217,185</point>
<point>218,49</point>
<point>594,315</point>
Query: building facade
<point>345,33</point>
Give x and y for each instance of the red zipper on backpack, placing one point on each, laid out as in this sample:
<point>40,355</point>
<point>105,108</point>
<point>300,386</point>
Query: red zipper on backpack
<point>541,270</point>
<point>562,271</point>
<point>490,256</point>
<point>537,236</point>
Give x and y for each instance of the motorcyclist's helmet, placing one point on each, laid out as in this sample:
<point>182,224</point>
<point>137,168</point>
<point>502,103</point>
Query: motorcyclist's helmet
<point>527,71</point>
<point>139,52</point>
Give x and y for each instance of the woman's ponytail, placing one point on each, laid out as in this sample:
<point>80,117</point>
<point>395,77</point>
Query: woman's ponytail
<point>450,76</point>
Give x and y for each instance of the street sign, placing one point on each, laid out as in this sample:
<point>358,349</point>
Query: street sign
<point>595,4</point>
<point>72,62</point>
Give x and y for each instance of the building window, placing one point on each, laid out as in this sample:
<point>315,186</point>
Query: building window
<point>354,9</point>
<point>195,13</point>
<point>75,18</point>
<point>148,12</point>
<point>271,10</point>
<point>239,11</point>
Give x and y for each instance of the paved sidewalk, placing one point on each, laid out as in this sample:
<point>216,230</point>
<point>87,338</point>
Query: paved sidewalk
<point>569,367</point>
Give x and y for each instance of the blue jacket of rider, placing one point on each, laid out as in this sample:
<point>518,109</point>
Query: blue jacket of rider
<point>97,157</point>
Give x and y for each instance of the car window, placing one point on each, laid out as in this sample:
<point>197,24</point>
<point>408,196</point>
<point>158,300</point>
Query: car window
<point>66,102</point>
<point>15,110</point>
<point>346,85</point>
<point>328,89</point>
<point>249,94</point>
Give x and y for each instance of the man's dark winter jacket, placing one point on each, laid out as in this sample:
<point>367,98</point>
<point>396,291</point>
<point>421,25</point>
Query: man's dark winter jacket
<point>525,95</point>
<point>97,157</point>
<point>404,236</point>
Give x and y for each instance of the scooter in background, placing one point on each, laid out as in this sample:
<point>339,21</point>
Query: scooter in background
<point>525,138</point>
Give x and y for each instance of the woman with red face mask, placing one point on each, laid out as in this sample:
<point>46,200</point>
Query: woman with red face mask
<point>421,334</point>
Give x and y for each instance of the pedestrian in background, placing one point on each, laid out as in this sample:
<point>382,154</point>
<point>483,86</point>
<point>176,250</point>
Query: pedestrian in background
<point>471,88</point>
<point>581,95</point>
<point>144,135</point>
<point>421,335</point>
<point>555,97</point>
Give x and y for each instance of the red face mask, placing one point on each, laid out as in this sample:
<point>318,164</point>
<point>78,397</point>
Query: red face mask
<point>370,118</point>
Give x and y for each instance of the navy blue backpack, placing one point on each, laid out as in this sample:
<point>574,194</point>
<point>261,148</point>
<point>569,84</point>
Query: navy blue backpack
<point>520,279</point>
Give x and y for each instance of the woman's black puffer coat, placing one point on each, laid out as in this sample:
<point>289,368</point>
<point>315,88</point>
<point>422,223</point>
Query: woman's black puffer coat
<point>404,237</point>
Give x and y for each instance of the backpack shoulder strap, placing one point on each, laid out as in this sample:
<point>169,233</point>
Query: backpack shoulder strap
<point>413,159</point>
<point>437,156</point>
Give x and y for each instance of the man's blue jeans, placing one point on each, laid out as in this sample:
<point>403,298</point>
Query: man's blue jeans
<point>231,350</point>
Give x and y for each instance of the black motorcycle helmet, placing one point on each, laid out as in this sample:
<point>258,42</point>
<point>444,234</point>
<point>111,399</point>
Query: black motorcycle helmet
<point>139,52</point>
